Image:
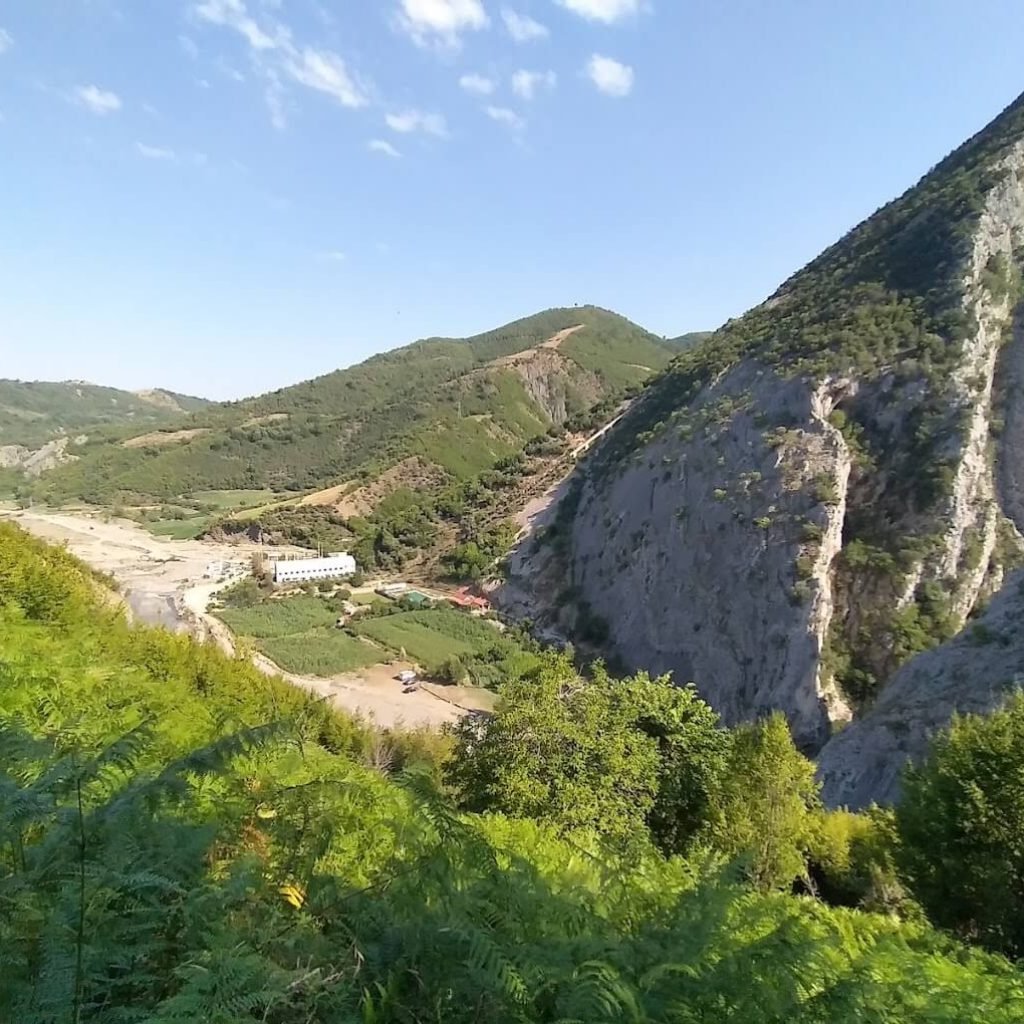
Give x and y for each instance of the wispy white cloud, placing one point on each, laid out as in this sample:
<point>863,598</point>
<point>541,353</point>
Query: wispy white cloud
<point>233,14</point>
<point>188,47</point>
<point>479,85</point>
<point>167,155</point>
<point>229,70</point>
<point>381,146</point>
<point>611,77</point>
<point>528,83</point>
<point>607,11</point>
<point>278,59</point>
<point>440,22</point>
<point>155,152</point>
<point>408,121</point>
<point>95,100</point>
<point>277,103</point>
<point>333,256</point>
<point>326,72</point>
<point>522,28</point>
<point>505,116</point>
<point>6,41</point>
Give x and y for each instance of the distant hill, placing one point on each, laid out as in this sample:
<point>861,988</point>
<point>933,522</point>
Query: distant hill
<point>685,341</point>
<point>33,413</point>
<point>446,407</point>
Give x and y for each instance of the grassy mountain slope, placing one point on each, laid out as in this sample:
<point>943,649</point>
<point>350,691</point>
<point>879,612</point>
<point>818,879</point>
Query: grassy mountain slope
<point>810,496</point>
<point>35,412</point>
<point>459,404</point>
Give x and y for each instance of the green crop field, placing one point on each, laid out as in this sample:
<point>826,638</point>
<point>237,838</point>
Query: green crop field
<point>298,634</point>
<point>321,652</point>
<point>178,529</point>
<point>431,636</point>
<point>276,619</point>
<point>234,499</point>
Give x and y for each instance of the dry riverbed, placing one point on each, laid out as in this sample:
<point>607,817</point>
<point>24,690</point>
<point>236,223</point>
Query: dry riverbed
<point>163,584</point>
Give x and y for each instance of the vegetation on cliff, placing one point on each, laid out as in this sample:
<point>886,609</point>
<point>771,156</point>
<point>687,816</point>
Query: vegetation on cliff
<point>846,430</point>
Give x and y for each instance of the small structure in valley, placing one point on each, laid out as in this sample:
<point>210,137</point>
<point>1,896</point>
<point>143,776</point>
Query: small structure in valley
<point>465,598</point>
<point>298,570</point>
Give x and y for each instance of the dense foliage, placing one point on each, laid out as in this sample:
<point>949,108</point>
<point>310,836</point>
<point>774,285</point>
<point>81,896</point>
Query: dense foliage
<point>961,824</point>
<point>182,839</point>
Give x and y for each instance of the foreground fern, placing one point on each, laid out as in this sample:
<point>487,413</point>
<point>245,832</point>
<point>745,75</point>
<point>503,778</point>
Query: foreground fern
<point>177,843</point>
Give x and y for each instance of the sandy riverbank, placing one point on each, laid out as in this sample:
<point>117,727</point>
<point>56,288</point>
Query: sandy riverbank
<point>163,584</point>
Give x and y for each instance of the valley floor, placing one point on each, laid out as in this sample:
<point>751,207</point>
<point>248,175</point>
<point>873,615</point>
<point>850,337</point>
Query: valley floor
<point>163,584</point>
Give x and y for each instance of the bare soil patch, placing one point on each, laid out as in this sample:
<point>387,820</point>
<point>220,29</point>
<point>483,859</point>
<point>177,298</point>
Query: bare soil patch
<point>161,437</point>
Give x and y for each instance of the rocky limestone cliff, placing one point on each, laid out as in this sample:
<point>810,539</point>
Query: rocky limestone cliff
<point>811,497</point>
<point>688,553</point>
<point>974,673</point>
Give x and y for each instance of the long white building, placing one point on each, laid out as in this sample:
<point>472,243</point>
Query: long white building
<point>298,570</point>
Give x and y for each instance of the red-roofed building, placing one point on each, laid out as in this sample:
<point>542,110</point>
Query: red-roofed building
<point>464,598</point>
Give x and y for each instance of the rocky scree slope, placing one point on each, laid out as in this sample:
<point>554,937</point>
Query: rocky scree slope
<point>821,489</point>
<point>458,405</point>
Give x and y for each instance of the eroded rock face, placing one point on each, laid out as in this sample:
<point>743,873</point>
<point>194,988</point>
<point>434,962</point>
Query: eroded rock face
<point>690,554</point>
<point>974,673</point>
<point>788,539</point>
<point>35,461</point>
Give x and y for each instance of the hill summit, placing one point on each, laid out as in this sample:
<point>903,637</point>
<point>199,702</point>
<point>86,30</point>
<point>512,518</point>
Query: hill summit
<point>455,406</point>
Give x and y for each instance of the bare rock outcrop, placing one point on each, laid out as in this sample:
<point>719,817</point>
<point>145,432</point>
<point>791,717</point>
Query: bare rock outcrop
<point>36,461</point>
<point>863,763</point>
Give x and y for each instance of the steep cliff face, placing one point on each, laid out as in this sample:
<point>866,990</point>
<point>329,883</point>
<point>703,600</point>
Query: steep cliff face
<point>810,498</point>
<point>974,673</point>
<point>557,384</point>
<point>708,555</point>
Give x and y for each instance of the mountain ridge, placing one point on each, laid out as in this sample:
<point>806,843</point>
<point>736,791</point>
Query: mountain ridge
<point>33,413</point>
<point>808,498</point>
<point>449,401</point>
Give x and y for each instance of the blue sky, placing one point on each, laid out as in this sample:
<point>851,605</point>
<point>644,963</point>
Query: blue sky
<point>226,196</point>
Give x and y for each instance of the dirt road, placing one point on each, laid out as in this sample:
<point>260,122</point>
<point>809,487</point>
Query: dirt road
<point>163,584</point>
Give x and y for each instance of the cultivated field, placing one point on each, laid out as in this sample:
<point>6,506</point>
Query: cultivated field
<point>163,583</point>
<point>432,636</point>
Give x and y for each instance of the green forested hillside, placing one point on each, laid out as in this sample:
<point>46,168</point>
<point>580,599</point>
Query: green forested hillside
<point>458,404</point>
<point>685,341</point>
<point>182,839</point>
<point>34,412</point>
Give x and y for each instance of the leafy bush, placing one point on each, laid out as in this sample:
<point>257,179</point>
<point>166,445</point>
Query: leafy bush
<point>961,829</point>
